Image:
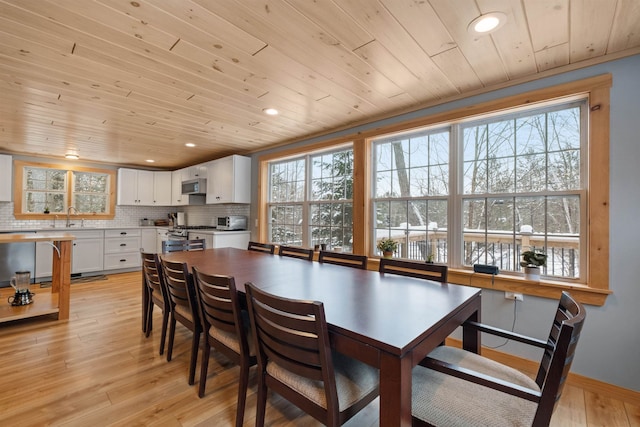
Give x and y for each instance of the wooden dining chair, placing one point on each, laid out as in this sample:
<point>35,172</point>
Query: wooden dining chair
<point>296,252</point>
<point>421,270</point>
<point>296,361</point>
<point>184,308</point>
<point>344,259</point>
<point>157,292</point>
<point>456,387</point>
<point>183,245</point>
<point>262,247</point>
<point>226,328</point>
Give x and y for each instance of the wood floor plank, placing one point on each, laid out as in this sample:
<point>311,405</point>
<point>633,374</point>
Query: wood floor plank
<point>98,369</point>
<point>604,411</point>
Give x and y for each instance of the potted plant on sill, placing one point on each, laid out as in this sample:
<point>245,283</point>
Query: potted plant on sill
<point>531,262</point>
<point>387,246</point>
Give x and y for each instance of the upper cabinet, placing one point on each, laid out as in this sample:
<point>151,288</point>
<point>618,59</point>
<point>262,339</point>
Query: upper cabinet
<point>5,178</point>
<point>229,180</point>
<point>196,171</point>
<point>162,188</point>
<point>177,199</point>
<point>138,187</point>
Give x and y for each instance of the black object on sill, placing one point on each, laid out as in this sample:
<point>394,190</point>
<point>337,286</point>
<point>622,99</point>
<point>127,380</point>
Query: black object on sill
<point>486,269</point>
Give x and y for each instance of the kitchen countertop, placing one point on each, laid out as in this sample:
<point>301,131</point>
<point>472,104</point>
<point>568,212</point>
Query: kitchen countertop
<point>72,229</point>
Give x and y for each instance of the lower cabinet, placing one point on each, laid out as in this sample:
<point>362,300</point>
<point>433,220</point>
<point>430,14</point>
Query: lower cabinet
<point>122,248</point>
<point>223,239</point>
<point>86,254</point>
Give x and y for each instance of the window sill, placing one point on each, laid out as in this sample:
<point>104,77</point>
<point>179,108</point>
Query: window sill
<point>543,288</point>
<point>502,282</point>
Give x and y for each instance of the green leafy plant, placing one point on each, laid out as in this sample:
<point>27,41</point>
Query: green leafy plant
<point>533,259</point>
<point>387,245</point>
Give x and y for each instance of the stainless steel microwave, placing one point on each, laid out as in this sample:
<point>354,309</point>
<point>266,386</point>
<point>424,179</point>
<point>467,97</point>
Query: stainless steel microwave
<point>232,222</point>
<point>194,186</point>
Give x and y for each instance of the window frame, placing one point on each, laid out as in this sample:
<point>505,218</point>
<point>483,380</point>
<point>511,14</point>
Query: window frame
<point>594,289</point>
<point>18,188</point>
<point>308,201</point>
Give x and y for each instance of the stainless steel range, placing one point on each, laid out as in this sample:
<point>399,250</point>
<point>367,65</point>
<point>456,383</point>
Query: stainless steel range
<point>182,232</point>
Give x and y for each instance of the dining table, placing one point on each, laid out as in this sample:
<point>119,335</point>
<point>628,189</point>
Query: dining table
<point>387,321</point>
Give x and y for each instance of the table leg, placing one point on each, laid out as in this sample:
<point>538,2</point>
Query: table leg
<point>61,277</point>
<point>471,338</point>
<point>395,390</point>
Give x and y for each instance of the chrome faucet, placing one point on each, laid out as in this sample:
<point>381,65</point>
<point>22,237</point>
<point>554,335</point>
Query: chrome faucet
<point>53,222</point>
<point>69,224</point>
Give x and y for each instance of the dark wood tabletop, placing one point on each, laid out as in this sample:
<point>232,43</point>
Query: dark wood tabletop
<point>386,320</point>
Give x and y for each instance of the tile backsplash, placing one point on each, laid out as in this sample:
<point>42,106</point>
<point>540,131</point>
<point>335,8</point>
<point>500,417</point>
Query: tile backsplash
<point>126,216</point>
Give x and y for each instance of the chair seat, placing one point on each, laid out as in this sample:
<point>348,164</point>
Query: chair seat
<point>354,380</point>
<point>230,339</point>
<point>444,400</point>
<point>184,312</point>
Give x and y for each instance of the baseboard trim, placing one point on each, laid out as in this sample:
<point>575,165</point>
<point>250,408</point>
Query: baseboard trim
<point>620,393</point>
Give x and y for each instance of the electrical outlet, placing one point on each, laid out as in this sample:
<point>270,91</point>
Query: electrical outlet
<point>513,295</point>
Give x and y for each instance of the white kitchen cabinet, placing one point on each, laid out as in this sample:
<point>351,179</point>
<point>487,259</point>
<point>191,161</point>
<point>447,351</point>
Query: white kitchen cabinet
<point>144,188</point>
<point>196,171</point>
<point>122,248</point>
<point>231,239</point>
<point>162,189</point>
<point>86,254</point>
<point>229,180</point>
<point>6,166</point>
<point>208,238</point>
<point>44,260</point>
<point>148,239</point>
<point>162,234</point>
<point>222,239</point>
<point>177,199</point>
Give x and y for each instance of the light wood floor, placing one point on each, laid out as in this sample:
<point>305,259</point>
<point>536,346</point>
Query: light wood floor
<point>98,369</point>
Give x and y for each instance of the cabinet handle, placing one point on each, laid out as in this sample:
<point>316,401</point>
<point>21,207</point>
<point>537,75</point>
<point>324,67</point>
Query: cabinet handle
<point>123,244</point>
<point>123,233</point>
<point>123,260</point>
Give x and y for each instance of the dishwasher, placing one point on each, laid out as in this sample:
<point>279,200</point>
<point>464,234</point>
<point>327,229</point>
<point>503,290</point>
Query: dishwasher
<point>16,257</point>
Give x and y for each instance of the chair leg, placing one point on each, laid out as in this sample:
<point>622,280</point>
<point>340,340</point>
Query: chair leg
<point>261,404</point>
<point>242,391</point>
<point>165,321</point>
<point>204,367</point>
<point>194,357</point>
<point>149,310</point>
<point>172,333</point>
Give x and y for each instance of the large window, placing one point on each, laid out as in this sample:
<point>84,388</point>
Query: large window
<point>476,184</point>
<point>411,189</point>
<point>310,200</point>
<point>49,189</point>
<point>521,187</point>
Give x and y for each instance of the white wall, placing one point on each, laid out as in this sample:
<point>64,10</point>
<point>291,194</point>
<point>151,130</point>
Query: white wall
<point>609,347</point>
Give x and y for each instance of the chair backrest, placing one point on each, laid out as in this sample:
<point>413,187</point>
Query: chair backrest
<point>154,277</point>
<point>220,307</point>
<point>293,334</point>
<point>262,247</point>
<point>558,355</point>
<point>421,270</point>
<point>345,259</point>
<point>296,252</point>
<point>179,284</point>
<point>183,245</point>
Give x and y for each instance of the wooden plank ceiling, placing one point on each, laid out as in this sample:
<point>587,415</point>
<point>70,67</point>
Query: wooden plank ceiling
<point>123,81</point>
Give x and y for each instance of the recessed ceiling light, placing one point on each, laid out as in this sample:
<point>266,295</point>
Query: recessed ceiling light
<point>270,111</point>
<point>487,23</point>
<point>189,144</point>
<point>150,161</point>
<point>71,156</point>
